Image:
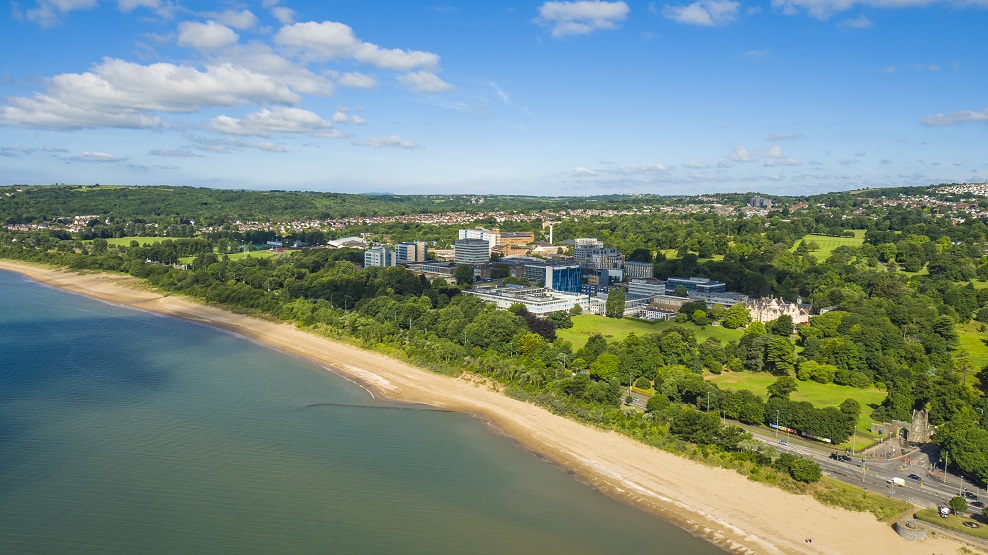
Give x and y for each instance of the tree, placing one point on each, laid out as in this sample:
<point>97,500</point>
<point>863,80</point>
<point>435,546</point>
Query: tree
<point>680,291</point>
<point>736,317</point>
<point>800,469</point>
<point>614,307</point>
<point>695,426</point>
<point>781,326</point>
<point>782,387</point>
<point>464,274</point>
<point>957,504</point>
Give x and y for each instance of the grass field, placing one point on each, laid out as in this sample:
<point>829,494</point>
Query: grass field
<point>973,343</point>
<point>956,522</point>
<point>125,241</point>
<point>820,395</point>
<point>612,329</point>
<point>234,256</point>
<point>828,244</point>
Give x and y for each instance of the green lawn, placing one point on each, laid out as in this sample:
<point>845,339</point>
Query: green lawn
<point>234,256</point>
<point>612,329</point>
<point>828,244</point>
<point>973,343</point>
<point>820,395</point>
<point>956,522</point>
<point>125,241</point>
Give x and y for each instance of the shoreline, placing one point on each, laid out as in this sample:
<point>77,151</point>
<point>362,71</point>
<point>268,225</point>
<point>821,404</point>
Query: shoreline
<point>712,503</point>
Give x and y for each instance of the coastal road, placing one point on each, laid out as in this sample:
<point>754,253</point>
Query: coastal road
<point>874,474</point>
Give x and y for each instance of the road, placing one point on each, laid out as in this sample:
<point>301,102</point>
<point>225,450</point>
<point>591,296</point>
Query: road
<point>874,474</point>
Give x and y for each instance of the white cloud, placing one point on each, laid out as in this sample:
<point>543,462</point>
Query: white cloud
<point>343,115</point>
<point>957,118</point>
<point>580,171</point>
<point>847,161</point>
<point>774,152</point>
<point>355,80</point>
<point>244,19</point>
<point>501,93</point>
<point>269,147</point>
<point>99,157</point>
<point>260,58</point>
<point>695,165</point>
<point>117,93</point>
<point>330,40</point>
<point>423,81</point>
<point>644,168</point>
<point>130,5</point>
<point>824,9</point>
<point>285,16</point>
<point>740,154</point>
<point>705,13</point>
<point>16,151</point>
<point>278,120</point>
<point>48,13</point>
<point>205,36</point>
<point>861,22</point>
<point>388,141</point>
<point>173,153</point>
<point>581,18</point>
<point>782,162</point>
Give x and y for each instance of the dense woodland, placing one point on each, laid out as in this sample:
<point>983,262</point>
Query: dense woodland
<point>893,304</point>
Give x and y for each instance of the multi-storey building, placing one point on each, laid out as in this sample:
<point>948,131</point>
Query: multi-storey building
<point>411,252</point>
<point>492,236</point>
<point>639,270</point>
<point>583,246</point>
<point>471,251</point>
<point>379,256</point>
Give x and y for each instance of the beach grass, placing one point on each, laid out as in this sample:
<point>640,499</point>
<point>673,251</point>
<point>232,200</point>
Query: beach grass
<point>839,494</point>
<point>820,395</point>
<point>585,325</point>
<point>827,244</point>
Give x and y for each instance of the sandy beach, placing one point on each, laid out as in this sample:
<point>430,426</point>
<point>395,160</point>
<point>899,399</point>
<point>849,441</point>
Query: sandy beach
<point>717,504</point>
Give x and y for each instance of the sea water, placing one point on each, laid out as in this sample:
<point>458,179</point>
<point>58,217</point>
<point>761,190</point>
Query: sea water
<point>122,431</point>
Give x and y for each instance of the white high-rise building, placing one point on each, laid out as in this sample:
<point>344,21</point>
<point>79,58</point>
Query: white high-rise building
<point>492,236</point>
<point>379,256</point>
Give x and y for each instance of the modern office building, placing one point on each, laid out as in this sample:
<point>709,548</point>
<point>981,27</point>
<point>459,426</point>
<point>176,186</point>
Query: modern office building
<point>471,251</point>
<point>583,246</point>
<point>559,277</point>
<point>516,238</point>
<point>639,270</point>
<point>379,256</point>
<point>411,252</point>
<point>491,236</point>
<point>698,284</point>
<point>540,301</point>
<point>650,287</point>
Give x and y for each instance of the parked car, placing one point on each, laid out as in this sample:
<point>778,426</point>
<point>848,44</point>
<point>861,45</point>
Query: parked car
<point>783,442</point>
<point>915,477</point>
<point>970,495</point>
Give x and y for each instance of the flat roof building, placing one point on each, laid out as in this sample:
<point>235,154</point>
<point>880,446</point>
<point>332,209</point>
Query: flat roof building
<point>379,256</point>
<point>471,251</point>
<point>540,301</point>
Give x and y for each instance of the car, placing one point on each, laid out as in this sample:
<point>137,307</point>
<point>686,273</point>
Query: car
<point>783,442</point>
<point>977,504</point>
<point>970,495</point>
<point>970,524</point>
<point>915,477</point>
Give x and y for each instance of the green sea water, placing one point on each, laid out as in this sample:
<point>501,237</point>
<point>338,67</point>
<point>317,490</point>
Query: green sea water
<point>123,431</point>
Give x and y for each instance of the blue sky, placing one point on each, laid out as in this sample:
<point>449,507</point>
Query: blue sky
<point>554,98</point>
